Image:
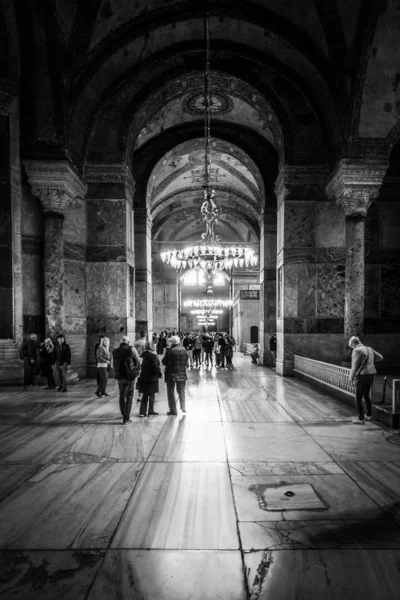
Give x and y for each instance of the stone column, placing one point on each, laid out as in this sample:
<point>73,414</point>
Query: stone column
<point>110,258</point>
<point>354,184</point>
<point>298,190</point>
<point>56,185</point>
<point>268,230</point>
<point>143,272</point>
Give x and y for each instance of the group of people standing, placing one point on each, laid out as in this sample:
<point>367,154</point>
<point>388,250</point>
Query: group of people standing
<point>208,349</point>
<point>49,360</point>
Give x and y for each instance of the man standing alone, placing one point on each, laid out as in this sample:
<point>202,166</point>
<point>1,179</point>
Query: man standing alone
<point>175,361</point>
<point>61,360</point>
<point>362,375</point>
<point>126,367</point>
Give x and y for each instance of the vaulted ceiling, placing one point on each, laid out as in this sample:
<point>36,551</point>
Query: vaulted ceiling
<point>294,82</point>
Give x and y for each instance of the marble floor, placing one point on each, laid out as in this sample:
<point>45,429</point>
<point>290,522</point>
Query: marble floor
<point>264,490</point>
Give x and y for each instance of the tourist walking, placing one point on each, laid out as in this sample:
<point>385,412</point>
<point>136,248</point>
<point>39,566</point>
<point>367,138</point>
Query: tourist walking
<point>188,344</point>
<point>175,361</point>
<point>103,356</point>
<point>197,351</point>
<point>150,373</point>
<point>208,345</point>
<point>222,350</point>
<point>161,343</point>
<point>61,360</point>
<point>362,375</point>
<point>126,368</point>
<point>46,363</point>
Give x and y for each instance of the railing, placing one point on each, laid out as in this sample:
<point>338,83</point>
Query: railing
<point>249,348</point>
<point>332,375</point>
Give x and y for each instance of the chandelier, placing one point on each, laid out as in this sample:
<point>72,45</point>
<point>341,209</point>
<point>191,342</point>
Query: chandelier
<point>209,254</point>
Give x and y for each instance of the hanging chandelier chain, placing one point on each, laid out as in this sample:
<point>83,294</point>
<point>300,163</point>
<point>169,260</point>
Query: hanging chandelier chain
<point>207,102</point>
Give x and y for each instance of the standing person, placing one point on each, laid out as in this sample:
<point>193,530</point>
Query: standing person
<point>61,360</point>
<point>148,380</point>
<point>217,351</point>
<point>29,353</point>
<point>103,356</point>
<point>222,350</point>
<point>362,375</point>
<point>272,349</point>
<point>175,361</point>
<point>162,343</point>
<point>230,344</point>
<point>139,347</point>
<point>126,367</point>
<point>208,348</point>
<point>188,344</point>
<point>197,350</point>
<point>46,363</point>
<point>101,337</point>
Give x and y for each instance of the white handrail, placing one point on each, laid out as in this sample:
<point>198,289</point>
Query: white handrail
<point>333,375</point>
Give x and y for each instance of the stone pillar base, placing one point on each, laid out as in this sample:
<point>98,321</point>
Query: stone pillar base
<point>285,367</point>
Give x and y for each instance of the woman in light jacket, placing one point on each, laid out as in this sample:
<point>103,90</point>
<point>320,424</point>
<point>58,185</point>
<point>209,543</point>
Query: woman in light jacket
<point>103,363</point>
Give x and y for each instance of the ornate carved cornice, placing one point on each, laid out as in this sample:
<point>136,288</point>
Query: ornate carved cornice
<point>110,173</point>
<point>56,184</point>
<point>296,182</point>
<point>355,183</point>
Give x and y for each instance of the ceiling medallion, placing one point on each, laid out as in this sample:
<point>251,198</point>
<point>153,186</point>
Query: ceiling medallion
<point>220,104</point>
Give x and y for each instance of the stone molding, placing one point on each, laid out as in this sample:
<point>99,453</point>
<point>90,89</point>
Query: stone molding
<point>56,184</point>
<point>355,183</point>
<point>110,173</point>
<point>295,181</point>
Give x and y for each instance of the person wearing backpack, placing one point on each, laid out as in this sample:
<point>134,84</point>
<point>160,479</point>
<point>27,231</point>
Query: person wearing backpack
<point>362,375</point>
<point>148,380</point>
<point>126,368</point>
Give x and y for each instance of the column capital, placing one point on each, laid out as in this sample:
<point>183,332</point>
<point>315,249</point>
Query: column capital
<point>111,173</point>
<point>56,184</point>
<point>355,183</point>
<point>296,181</point>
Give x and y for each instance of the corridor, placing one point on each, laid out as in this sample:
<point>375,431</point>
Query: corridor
<point>265,490</point>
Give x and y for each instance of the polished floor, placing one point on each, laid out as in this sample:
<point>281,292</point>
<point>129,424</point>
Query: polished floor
<point>264,490</point>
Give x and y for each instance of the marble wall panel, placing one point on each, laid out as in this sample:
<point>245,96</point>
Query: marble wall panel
<point>330,225</point>
<point>388,345</point>
<point>327,347</point>
<point>75,325</point>
<point>32,280</point>
<point>390,291</point>
<point>106,222</point>
<point>141,296</point>
<point>299,255</point>
<point>31,214</point>
<point>74,251</point>
<point>106,253</point>
<point>75,288</point>
<point>373,227</point>
<point>114,324</point>
<point>78,347</point>
<point>290,291</point>
<point>330,290</point>
<point>106,289</point>
<point>372,291</point>
<point>307,281</point>
<point>75,223</point>
<point>390,224</point>
<point>316,325</point>
<point>333,254</point>
<point>299,226</point>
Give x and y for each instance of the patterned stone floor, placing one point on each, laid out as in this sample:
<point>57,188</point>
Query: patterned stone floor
<point>265,490</point>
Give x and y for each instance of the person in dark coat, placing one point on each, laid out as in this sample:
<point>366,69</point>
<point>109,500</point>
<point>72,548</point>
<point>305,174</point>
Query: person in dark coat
<point>61,360</point>
<point>148,380</point>
<point>30,355</point>
<point>126,367</point>
<point>46,363</point>
<point>175,361</point>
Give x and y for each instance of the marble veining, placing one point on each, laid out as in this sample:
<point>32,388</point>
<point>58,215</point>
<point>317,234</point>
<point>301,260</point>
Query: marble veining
<point>194,507</point>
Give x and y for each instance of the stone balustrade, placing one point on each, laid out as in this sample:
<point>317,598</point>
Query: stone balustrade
<point>333,376</point>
